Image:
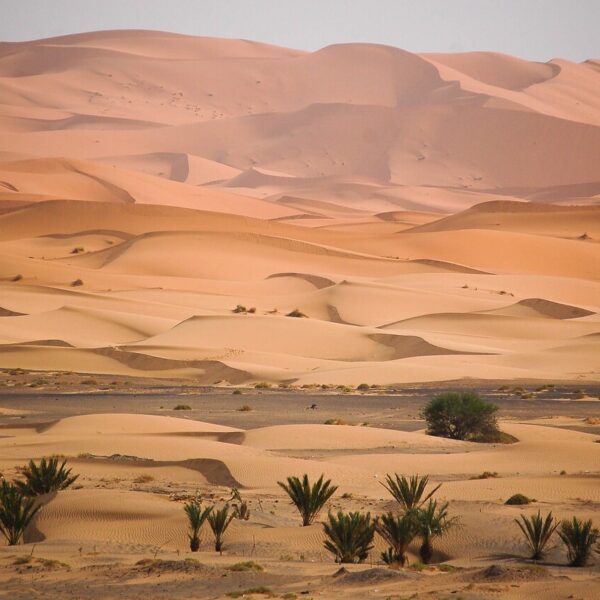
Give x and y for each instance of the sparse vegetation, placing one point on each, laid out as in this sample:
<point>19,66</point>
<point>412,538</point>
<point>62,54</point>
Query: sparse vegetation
<point>237,392</point>
<point>17,277</point>
<point>253,590</point>
<point>46,477</point>
<point>519,500</point>
<point>460,416</point>
<point>486,475</point>
<point>297,313</point>
<point>409,492</point>
<point>537,532</point>
<point>433,522</point>
<point>219,520</point>
<point>398,530</point>
<point>248,565</point>
<point>77,282</point>
<point>578,536</point>
<point>363,387</point>
<point>16,512</point>
<point>308,499</point>
<point>182,407</point>
<point>349,536</point>
<point>245,408</point>
<point>240,506</point>
<point>196,517</point>
<point>262,385</point>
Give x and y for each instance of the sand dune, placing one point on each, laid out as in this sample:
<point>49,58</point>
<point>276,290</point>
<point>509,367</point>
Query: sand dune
<point>413,207</point>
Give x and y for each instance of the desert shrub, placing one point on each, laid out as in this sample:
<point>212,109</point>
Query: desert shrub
<point>363,387</point>
<point>248,565</point>
<point>519,500</point>
<point>262,385</point>
<point>182,407</point>
<point>537,532</point>
<point>46,477</point>
<point>196,517</point>
<point>77,282</point>
<point>240,506</point>
<point>308,499</point>
<point>17,277</point>
<point>349,536</point>
<point>144,479</point>
<point>432,522</point>
<point>16,512</point>
<point>245,408</point>
<point>219,520</point>
<point>460,416</point>
<point>335,422</point>
<point>252,310</point>
<point>261,589</point>
<point>486,475</point>
<point>398,530</point>
<point>77,250</point>
<point>240,308</point>
<point>297,313</point>
<point>578,536</point>
<point>237,392</point>
<point>409,492</point>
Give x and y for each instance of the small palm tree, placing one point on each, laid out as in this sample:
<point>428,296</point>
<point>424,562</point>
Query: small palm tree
<point>349,536</point>
<point>398,531</point>
<point>409,492</point>
<point>196,517</point>
<point>537,532</point>
<point>433,521</point>
<point>308,499</point>
<point>46,477</point>
<point>219,520</point>
<point>579,537</point>
<point>16,512</point>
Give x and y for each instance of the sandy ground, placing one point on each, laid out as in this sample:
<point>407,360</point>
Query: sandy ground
<point>183,216</point>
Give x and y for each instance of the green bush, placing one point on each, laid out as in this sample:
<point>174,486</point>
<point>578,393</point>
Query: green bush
<point>460,416</point>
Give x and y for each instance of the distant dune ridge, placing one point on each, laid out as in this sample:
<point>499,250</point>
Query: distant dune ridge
<point>434,216</point>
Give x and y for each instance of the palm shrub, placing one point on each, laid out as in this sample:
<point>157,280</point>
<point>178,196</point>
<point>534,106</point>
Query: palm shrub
<point>432,522</point>
<point>578,536</point>
<point>409,492</point>
<point>196,517</point>
<point>219,520</point>
<point>460,416</point>
<point>46,477</point>
<point>398,530</point>
<point>537,532</point>
<point>349,536</point>
<point>308,499</point>
<point>240,506</point>
<point>16,512</point>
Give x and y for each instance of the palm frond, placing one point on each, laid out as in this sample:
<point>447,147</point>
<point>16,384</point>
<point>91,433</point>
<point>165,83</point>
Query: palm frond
<point>578,536</point>
<point>46,477</point>
<point>409,492</point>
<point>308,499</point>
<point>537,532</point>
<point>349,536</point>
<point>16,512</point>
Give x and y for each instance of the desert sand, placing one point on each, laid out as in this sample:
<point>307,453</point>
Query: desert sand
<point>207,212</point>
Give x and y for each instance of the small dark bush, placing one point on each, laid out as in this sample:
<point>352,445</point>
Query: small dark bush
<point>17,277</point>
<point>460,416</point>
<point>245,408</point>
<point>240,308</point>
<point>363,387</point>
<point>519,500</point>
<point>183,407</point>
<point>262,385</point>
<point>77,282</point>
<point>237,392</point>
<point>297,313</point>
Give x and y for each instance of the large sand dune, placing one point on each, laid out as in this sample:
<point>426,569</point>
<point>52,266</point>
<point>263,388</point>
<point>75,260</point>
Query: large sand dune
<point>433,216</point>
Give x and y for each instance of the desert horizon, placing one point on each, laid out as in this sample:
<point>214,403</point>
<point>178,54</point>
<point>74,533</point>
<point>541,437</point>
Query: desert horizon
<point>299,252</point>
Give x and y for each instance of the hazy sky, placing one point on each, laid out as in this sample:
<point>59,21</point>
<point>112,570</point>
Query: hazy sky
<point>533,29</point>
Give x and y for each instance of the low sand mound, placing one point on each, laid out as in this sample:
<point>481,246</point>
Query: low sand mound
<point>122,423</point>
<point>377,575</point>
<point>343,437</point>
<point>501,573</point>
